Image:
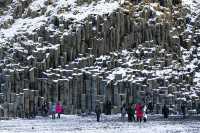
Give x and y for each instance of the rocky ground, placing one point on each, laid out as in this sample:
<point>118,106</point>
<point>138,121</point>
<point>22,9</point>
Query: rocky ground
<point>111,124</point>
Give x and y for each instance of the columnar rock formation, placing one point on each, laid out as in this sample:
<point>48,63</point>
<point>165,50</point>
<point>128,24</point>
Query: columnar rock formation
<point>84,63</point>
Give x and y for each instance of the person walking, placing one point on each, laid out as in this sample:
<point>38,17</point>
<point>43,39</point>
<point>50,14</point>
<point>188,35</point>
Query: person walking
<point>98,112</point>
<point>58,109</point>
<point>165,111</point>
<point>139,112</point>
<point>53,110</point>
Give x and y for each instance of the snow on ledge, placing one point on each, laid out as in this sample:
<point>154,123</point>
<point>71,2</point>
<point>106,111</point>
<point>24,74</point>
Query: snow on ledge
<point>193,6</point>
<point>76,12</point>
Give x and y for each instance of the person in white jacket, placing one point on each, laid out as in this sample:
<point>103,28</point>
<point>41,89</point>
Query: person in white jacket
<point>144,113</point>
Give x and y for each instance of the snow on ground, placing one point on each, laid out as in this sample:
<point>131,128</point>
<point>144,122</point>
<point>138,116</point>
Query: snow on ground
<point>109,124</point>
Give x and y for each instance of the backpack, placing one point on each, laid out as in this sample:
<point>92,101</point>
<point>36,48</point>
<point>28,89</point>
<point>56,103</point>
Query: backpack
<point>123,110</point>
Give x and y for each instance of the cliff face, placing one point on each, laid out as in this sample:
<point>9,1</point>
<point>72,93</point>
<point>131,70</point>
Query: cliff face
<point>85,52</point>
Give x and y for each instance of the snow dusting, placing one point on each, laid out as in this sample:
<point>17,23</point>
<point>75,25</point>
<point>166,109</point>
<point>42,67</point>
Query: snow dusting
<point>63,9</point>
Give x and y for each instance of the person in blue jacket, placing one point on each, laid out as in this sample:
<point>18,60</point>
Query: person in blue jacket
<point>53,110</point>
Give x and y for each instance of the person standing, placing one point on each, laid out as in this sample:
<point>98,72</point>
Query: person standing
<point>183,109</point>
<point>150,107</point>
<point>129,110</point>
<point>58,109</point>
<point>123,112</point>
<point>98,112</point>
<point>132,111</point>
<point>145,113</point>
<point>43,108</point>
<point>53,110</point>
<point>108,107</point>
<point>46,108</point>
<point>139,112</point>
<point>165,111</point>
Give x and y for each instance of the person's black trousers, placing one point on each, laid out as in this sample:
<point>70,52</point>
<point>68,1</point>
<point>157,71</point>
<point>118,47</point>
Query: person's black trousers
<point>98,117</point>
<point>58,115</point>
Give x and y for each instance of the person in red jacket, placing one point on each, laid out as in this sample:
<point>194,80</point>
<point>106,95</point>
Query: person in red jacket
<point>139,112</point>
<point>58,109</point>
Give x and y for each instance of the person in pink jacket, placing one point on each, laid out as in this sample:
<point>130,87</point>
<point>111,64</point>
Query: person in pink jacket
<point>58,109</point>
<point>139,112</point>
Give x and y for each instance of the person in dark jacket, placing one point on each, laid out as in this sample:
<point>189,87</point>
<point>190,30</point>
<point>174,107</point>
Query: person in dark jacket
<point>46,108</point>
<point>108,108</point>
<point>129,112</point>
<point>150,107</point>
<point>98,112</point>
<point>132,112</point>
<point>183,109</point>
<point>165,111</point>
